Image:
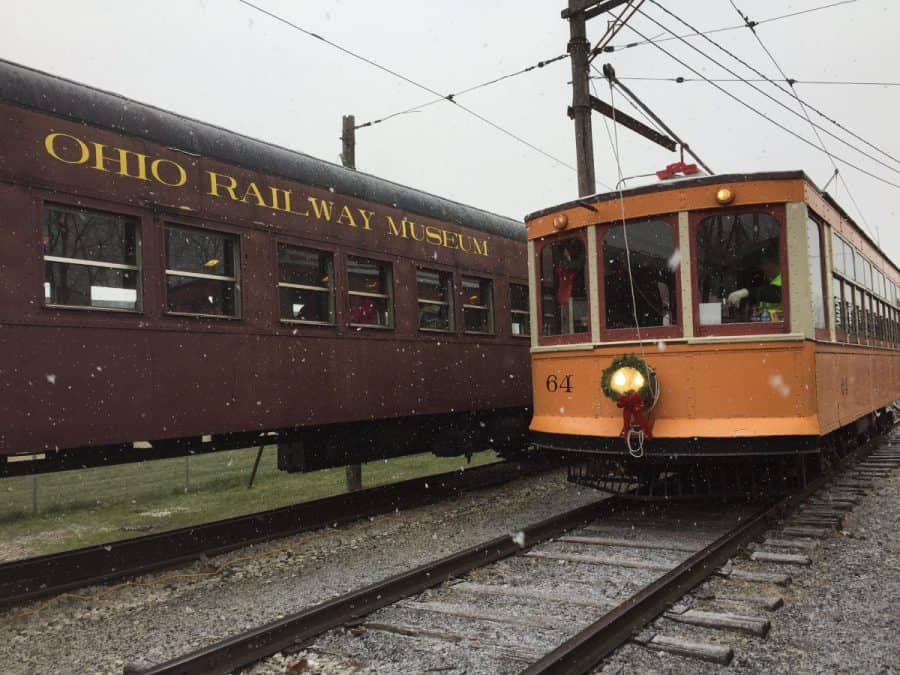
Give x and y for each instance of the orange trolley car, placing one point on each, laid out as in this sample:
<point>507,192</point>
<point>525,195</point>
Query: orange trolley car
<point>756,320</point>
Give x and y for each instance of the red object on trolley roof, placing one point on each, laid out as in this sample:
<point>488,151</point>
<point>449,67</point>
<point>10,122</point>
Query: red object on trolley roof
<point>678,167</point>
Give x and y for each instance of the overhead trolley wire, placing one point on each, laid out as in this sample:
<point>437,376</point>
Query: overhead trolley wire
<point>680,80</point>
<point>756,111</point>
<point>408,80</point>
<point>723,29</point>
<point>774,83</point>
<point>752,27</point>
<point>451,97</point>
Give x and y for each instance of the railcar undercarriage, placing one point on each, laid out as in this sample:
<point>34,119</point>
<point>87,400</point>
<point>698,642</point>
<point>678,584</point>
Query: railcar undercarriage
<point>770,471</point>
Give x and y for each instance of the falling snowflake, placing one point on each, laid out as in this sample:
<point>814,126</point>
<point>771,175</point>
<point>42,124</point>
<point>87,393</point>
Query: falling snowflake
<point>518,538</point>
<point>777,383</point>
<point>675,260</point>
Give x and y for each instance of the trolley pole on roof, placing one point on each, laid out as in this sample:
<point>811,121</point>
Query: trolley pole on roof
<point>578,49</point>
<point>348,159</point>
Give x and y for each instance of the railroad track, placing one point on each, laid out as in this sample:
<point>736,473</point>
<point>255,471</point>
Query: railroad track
<point>42,576</point>
<point>558,596</point>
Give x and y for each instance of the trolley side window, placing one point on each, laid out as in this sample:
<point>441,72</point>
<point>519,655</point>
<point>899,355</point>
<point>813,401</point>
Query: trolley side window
<point>739,269</point>
<point>814,246</point>
<point>371,292</point>
<point>478,305</point>
<point>305,285</point>
<point>435,297</point>
<point>650,278</point>
<point>837,253</point>
<point>840,315</point>
<point>201,272</point>
<point>564,300</point>
<point>519,310</point>
<point>91,259</point>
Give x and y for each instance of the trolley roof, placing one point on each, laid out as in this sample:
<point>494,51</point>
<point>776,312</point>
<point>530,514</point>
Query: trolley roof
<point>700,181</point>
<point>64,98</point>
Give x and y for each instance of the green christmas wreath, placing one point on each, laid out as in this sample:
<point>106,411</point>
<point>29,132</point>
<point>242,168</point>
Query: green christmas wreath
<point>628,361</point>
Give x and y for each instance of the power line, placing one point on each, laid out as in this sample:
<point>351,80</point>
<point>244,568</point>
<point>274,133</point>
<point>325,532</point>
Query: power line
<point>680,80</point>
<point>451,97</point>
<point>759,112</point>
<point>724,29</point>
<point>408,80</point>
<point>752,27</point>
<point>775,84</point>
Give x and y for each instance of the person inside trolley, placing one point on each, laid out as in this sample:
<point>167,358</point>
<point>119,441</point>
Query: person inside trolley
<point>766,296</point>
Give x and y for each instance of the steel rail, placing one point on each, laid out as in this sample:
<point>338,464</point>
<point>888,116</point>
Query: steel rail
<point>584,651</point>
<point>247,648</point>
<point>41,576</point>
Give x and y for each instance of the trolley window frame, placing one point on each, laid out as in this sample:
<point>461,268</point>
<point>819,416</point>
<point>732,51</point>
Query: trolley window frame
<point>778,212</point>
<point>675,330</point>
<point>823,334</point>
<point>567,338</point>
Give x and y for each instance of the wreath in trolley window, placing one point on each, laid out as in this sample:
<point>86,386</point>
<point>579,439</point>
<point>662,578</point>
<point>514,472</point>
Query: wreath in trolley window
<point>628,374</point>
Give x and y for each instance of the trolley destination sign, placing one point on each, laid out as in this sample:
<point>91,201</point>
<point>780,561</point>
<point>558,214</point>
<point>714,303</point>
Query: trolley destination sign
<point>92,155</point>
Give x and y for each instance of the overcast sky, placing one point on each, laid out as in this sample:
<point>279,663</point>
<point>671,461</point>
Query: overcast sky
<point>223,62</point>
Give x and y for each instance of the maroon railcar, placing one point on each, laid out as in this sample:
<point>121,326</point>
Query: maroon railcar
<point>168,287</point>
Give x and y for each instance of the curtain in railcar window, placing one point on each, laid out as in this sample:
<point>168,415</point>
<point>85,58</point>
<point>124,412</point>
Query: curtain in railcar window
<point>435,292</point>
<point>564,302</point>
<point>306,285</point>
<point>838,304</point>
<point>370,292</point>
<point>91,259</point>
<point>201,272</point>
<point>651,245</point>
<point>739,268</point>
<point>814,246</point>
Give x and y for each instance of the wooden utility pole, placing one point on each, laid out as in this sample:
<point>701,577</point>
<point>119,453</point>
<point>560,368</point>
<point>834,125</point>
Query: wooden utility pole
<point>348,159</point>
<point>348,142</point>
<point>579,49</point>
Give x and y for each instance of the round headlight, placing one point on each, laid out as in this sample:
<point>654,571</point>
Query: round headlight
<point>626,379</point>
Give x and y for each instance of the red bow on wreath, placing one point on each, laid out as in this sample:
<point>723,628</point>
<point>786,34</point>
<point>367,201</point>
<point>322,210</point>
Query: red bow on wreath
<point>632,405</point>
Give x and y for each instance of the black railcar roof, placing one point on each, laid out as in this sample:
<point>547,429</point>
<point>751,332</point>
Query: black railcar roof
<point>64,98</point>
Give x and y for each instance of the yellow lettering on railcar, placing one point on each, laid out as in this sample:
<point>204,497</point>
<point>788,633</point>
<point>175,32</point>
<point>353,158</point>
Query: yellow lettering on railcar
<point>436,236</point>
<point>101,160</point>
<point>72,150</point>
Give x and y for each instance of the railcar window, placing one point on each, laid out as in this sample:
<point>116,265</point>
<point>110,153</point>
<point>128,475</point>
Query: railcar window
<point>564,301</point>
<point>371,285</point>
<point>837,253</point>
<point>519,310</point>
<point>838,303</point>
<point>651,245</point>
<point>859,271</point>
<point>814,246</point>
<point>435,291</point>
<point>739,268</point>
<point>860,314</point>
<point>305,285</point>
<point>201,272</point>
<point>91,259</point>
<point>478,305</point>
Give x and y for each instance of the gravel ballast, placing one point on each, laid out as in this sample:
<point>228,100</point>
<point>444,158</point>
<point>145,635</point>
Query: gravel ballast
<point>840,614</point>
<point>170,613</point>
